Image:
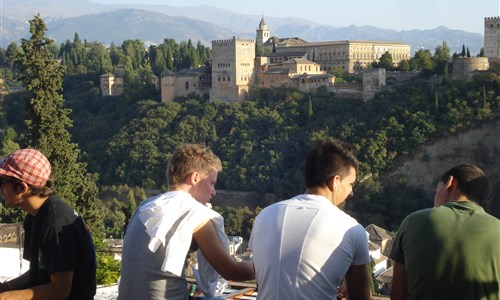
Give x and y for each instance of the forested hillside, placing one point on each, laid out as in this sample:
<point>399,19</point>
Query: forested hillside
<point>262,142</point>
<point>127,140</point>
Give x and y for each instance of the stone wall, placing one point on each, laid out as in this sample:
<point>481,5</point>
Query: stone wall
<point>464,67</point>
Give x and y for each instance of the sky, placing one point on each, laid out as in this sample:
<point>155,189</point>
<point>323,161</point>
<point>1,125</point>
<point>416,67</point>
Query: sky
<point>399,15</point>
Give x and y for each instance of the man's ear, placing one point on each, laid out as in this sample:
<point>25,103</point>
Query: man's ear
<point>332,183</point>
<point>451,184</point>
<point>194,177</point>
<point>22,187</point>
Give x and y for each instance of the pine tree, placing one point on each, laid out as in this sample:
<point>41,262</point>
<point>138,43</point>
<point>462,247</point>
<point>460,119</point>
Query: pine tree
<point>47,121</point>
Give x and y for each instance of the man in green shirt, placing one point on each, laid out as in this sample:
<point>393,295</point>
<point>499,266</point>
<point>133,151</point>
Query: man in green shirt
<point>451,251</point>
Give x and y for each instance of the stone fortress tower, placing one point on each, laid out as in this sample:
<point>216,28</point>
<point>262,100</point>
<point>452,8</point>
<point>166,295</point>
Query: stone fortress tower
<point>464,68</point>
<point>263,33</point>
<point>492,38</point>
<point>233,69</point>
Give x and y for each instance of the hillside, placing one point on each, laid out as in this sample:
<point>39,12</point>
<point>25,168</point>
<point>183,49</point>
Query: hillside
<point>106,23</point>
<point>478,146</point>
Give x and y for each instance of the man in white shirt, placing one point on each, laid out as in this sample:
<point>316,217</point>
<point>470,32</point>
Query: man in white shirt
<point>305,246</point>
<point>166,228</point>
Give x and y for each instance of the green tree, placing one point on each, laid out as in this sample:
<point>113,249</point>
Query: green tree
<point>116,55</point>
<point>259,50</point>
<point>135,50</point>
<point>97,59</point>
<point>446,73</point>
<point>442,52</point>
<point>47,121</point>
<point>310,112</point>
<point>8,136</point>
<point>403,65</point>
<point>385,61</point>
<point>157,60</point>
<point>13,50</point>
<point>422,60</point>
<point>440,58</point>
<point>214,134</point>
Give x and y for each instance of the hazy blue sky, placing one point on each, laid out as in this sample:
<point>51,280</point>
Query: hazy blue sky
<point>466,15</point>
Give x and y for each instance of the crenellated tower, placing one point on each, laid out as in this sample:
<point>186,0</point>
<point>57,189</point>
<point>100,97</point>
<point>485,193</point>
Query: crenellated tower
<point>232,69</point>
<point>492,38</point>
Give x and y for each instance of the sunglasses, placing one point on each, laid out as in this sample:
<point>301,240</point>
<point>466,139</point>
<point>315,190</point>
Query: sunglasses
<point>3,180</point>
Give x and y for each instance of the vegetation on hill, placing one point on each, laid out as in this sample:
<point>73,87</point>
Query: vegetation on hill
<point>127,140</point>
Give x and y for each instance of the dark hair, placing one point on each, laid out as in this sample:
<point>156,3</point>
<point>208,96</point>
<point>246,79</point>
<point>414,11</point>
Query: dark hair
<point>472,182</point>
<point>326,158</point>
<point>42,191</point>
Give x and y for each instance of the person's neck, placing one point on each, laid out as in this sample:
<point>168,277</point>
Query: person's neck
<point>457,197</point>
<point>32,204</point>
<point>320,191</point>
<point>180,187</point>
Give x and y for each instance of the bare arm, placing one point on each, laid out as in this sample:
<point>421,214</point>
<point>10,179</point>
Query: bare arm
<point>398,282</point>
<point>358,283</point>
<point>208,241</point>
<point>58,288</point>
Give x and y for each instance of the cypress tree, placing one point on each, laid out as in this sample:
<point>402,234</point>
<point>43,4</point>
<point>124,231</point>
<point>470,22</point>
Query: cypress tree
<point>310,111</point>
<point>214,134</point>
<point>47,121</point>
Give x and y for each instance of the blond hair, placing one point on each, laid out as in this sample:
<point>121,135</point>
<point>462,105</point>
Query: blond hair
<point>189,158</point>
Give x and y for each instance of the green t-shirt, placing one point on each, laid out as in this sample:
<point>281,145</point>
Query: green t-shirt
<point>450,252</point>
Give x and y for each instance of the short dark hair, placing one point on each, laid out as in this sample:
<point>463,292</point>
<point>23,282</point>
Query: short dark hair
<point>326,158</point>
<point>472,182</point>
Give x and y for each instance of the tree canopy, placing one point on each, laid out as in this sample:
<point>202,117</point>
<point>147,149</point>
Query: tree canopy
<point>47,120</point>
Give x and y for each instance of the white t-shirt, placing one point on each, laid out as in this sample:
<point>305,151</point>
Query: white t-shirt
<point>303,247</point>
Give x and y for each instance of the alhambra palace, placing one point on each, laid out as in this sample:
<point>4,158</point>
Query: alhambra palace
<point>296,63</point>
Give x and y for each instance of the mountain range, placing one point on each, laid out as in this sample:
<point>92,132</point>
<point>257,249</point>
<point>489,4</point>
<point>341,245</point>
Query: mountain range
<point>153,23</point>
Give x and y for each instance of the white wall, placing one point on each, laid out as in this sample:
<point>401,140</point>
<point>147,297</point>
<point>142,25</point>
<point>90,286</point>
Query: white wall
<point>12,263</point>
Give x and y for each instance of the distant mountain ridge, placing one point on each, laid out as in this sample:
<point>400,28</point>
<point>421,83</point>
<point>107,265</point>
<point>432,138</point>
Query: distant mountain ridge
<point>152,23</point>
<point>122,24</point>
